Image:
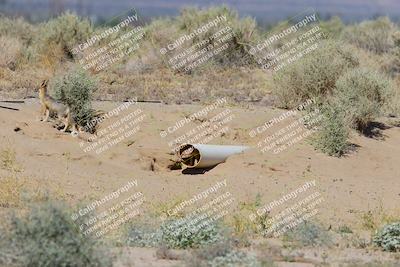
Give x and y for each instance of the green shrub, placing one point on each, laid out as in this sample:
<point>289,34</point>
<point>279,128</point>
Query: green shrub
<point>176,235</point>
<point>388,237</point>
<point>314,75</point>
<point>333,134</point>
<point>76,89</point>
<point>308,234</point>
<point>173,234</point>
<point>344,229</point>
<point>139,235</point>
<point>363,94</point>
<point>65,31</point>
<point>47,236</point>
<point>374,36</point>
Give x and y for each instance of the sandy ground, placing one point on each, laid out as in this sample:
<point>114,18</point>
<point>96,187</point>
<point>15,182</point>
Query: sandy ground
<point>365,180</point>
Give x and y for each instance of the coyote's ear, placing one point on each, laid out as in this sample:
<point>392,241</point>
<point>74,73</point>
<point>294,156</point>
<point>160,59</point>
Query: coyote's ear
<point>44,83</point>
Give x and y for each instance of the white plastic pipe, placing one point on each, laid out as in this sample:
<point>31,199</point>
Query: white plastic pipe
<point>206,156</point>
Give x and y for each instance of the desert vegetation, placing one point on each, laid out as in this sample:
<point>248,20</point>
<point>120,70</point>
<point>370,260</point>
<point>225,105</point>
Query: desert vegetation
<point>353,78</point>
<point>76,88</point>
<point>47,236</point>
<point>339,73</point>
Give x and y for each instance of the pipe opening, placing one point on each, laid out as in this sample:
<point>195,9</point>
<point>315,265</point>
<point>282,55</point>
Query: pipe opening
<point>189,155</point>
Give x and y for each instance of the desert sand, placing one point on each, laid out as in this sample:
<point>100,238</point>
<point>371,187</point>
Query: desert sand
<point>365,180</point>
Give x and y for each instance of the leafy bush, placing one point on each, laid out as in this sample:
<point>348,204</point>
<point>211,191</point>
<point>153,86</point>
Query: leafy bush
<point>388,237</point>
<point>313,75</point>
<point>363,94</point>
<point>176,235</point>
<point>333,133</point>
<point>65,31</point>
<point>143,236</point>
<point>47,236</point>
<point>173,234</point>
<point>308,234</point>
<point>374,36</point>
<point>76,89</point>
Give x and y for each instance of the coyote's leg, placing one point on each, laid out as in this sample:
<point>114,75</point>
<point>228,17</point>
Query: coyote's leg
<point>42,112</point>
<point>67,121</point>
<point>65,127</point>
<point>47,114</point>
<point>66,124</point>
<point>75,131</point>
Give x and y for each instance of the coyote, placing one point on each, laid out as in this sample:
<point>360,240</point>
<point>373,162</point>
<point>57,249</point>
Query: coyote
<point>49,104</point>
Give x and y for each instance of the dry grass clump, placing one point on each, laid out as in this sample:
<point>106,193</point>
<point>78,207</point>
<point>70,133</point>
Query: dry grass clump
<point>8,159</point>
<point>23,82</point>
<point>11,191</point>
<point>238,85</point>
<point>17,28</point>
<point>17,192</point>
<point>10,50</point>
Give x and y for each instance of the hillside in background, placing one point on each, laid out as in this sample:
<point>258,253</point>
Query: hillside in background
<point>265,11</point>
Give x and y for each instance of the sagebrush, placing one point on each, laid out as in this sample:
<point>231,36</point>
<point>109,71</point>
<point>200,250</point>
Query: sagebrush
<point>75,89</point>
<point>309,234</point>
<point>47,236</point>
<point>333,134</point>
<point>388,237</point>
<point>375,36</point>
<point>174,234</point>
<point>313,76</point>
<point>363,94</point>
